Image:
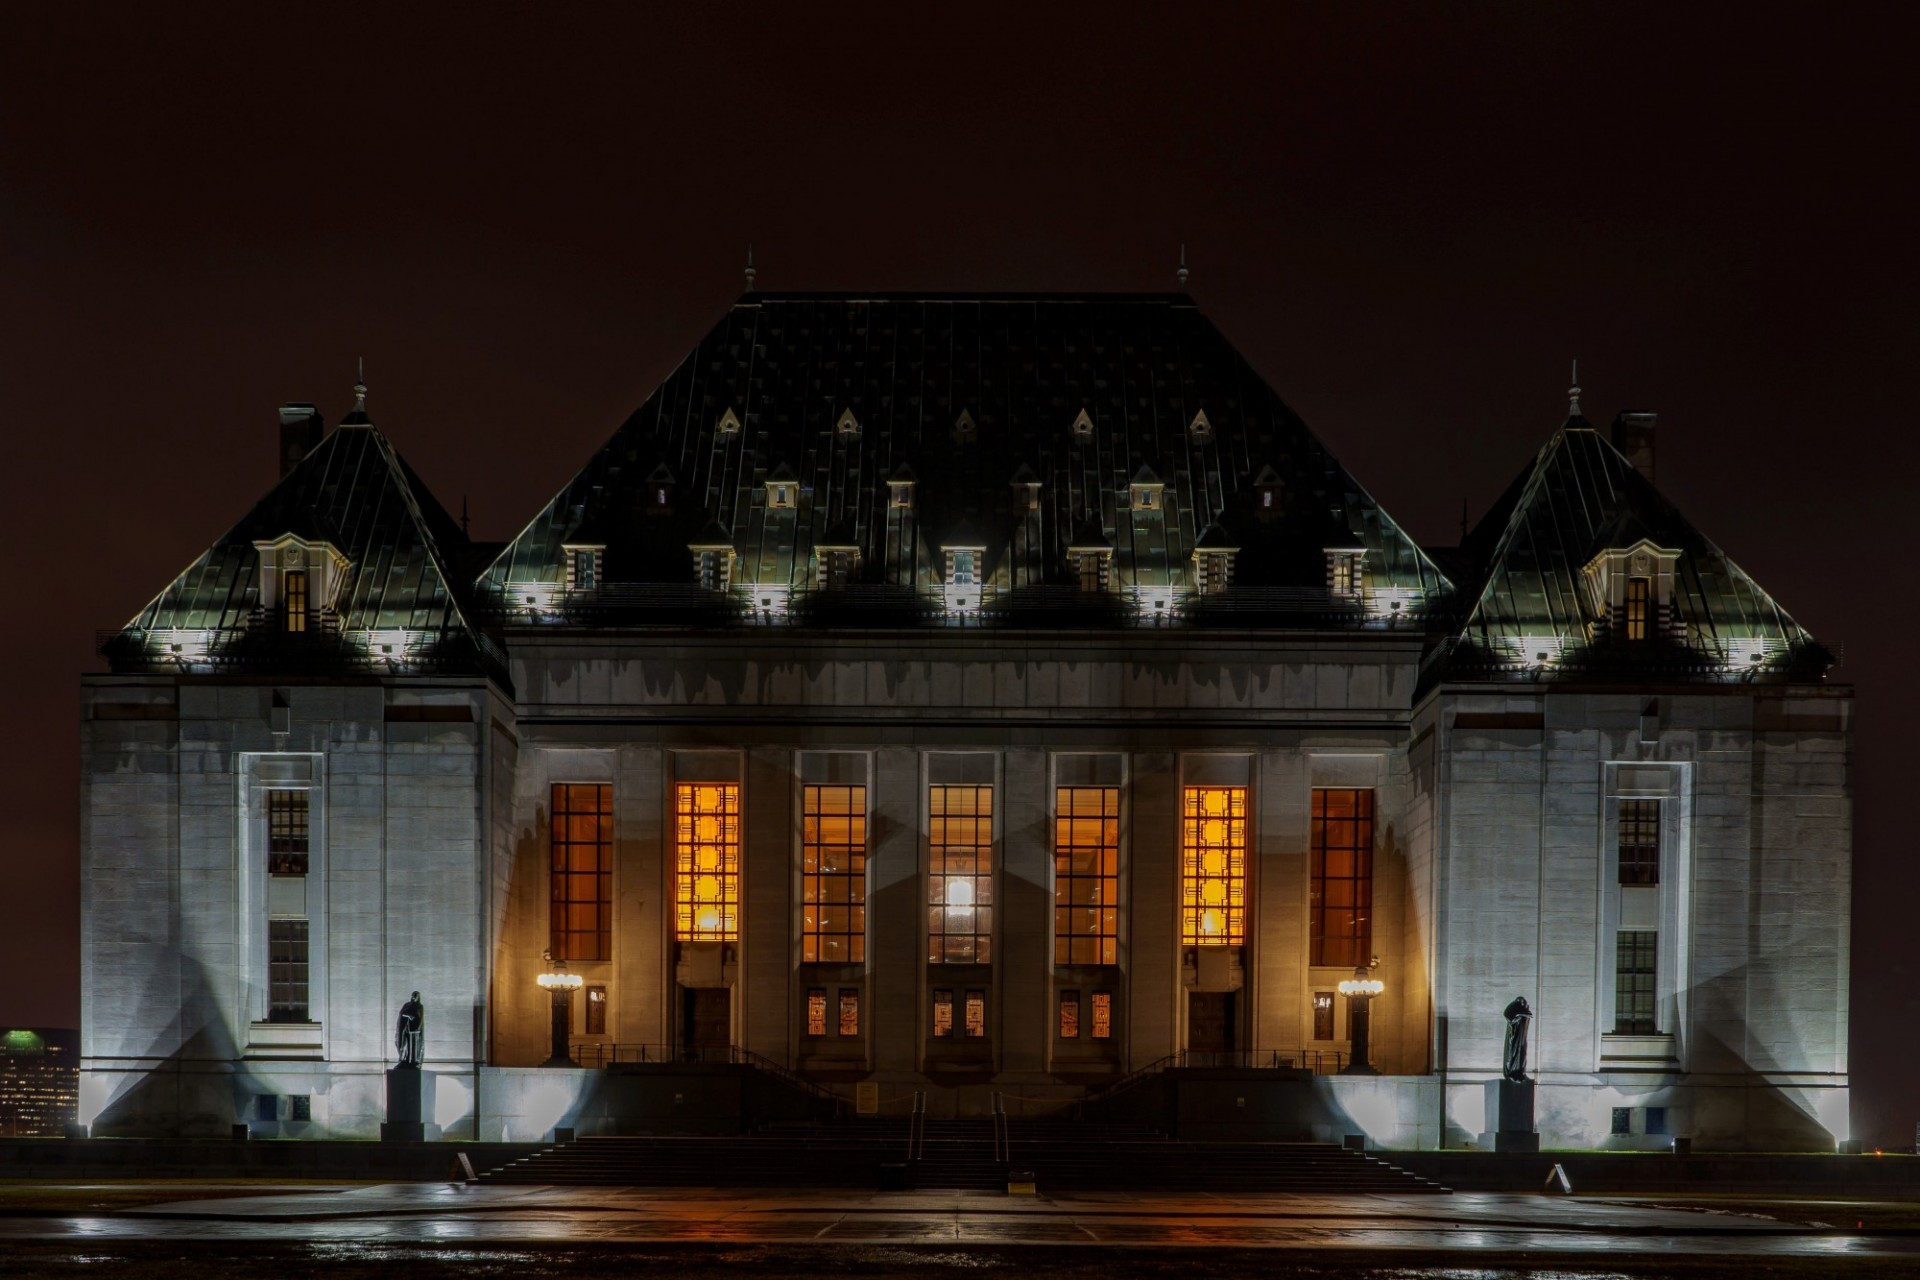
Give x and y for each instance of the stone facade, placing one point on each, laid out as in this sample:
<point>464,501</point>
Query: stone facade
<point>1624,795</point>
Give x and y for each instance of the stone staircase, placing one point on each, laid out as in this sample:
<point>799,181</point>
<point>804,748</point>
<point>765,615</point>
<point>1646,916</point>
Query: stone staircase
<point>959,1154</point>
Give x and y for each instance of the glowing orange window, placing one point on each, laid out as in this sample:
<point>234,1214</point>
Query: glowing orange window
<point>1213,860</point>
<point>706,879</point>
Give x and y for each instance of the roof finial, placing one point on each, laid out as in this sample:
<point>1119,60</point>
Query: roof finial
<point>1181,274</point>
<point>360,385</point>
<point>750,271</point>
<point>1573,392</point>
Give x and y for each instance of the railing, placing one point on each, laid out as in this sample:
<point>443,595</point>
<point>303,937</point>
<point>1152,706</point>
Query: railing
<point>603,1053</point>
<point>917,1127</point>
<point>1002,1140</point>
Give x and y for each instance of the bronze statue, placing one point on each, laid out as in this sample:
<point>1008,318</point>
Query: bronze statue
<point>1518,1014</point>
<point>409,1034</point>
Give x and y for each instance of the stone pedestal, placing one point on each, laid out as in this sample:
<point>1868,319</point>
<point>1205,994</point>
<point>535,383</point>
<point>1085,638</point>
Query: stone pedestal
<point>1510,1109</point>
<point>406,1087</point>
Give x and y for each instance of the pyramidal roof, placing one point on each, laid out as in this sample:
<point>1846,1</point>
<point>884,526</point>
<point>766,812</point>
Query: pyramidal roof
<point>355,493</point>
<point>760,395</point>
<point>1533,606</point>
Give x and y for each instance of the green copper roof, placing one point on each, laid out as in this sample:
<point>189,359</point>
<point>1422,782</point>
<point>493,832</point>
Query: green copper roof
<point>1533,611</point>
<point>356,494</point>
<point>976,399</point>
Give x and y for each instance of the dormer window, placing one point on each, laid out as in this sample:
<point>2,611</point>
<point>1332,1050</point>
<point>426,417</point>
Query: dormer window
<point>1630,590</point>
<point>1083,427</point>
<point>1145,492</point>
<point>713,567</point>
<point>584,565</point>
<point>1212,571</point>
<point>1267,504</point>
<point>834,567</point>
<point>963,565</point>
<point>848,425</point>
<point>965,430</point>
<point>1093,569</point>
<point>783,489</point>
<point>1200,429</point>
<point>298,581</point>
<point>660,490</point>
<point>1346,573</point>
<point>1213,559</point>
<point>729,425</point>
<point>900,488</point>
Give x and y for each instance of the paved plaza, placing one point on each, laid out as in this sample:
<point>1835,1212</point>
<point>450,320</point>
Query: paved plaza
<point>486,1229</point>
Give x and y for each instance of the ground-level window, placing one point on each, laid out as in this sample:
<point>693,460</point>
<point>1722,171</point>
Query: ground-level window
<point>581,926</point>
<point>1213,857</point>
<point>1635,953</point>
<point>960,875</point>
<point>1103,1015</point>
<point>849,1011</point>
<point>1323,1015</point>
<point>816,1011</point>
<point>1622,1120</point>
<point>833,875</point>
<point>1342,856</point>
<point>1656,1122</point>
<point>943,1011</point>
<point>596,1011</point>
<point>287,971</point>
<point>976,1013</point>
<point>1069,1015</point>
<point>1086,875</point>
<point>707,862</point>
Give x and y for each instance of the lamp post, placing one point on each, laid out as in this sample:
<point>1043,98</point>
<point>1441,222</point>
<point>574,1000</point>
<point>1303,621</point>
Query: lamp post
<point>561,985</point>
<point>1360,990</point>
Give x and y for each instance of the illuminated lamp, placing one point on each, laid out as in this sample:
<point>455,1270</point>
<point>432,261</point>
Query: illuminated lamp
<point>1360,991</point>
<point>561,985</point>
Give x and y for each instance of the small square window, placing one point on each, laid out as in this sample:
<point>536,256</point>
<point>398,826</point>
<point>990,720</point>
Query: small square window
<point>1656,1122</point>
<point>1622,1121</point>
<point>816,1011</point>
<point>300,1106</point>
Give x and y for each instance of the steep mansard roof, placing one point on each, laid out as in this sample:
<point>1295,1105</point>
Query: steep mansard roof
<point>1021,421</point>
<point>404,576</point>
<point>1532,609</point>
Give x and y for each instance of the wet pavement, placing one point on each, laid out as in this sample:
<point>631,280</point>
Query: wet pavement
<point>404,1215</point>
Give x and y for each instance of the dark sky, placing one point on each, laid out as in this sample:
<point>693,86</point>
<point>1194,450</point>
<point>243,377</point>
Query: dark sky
<point>1409,217</point>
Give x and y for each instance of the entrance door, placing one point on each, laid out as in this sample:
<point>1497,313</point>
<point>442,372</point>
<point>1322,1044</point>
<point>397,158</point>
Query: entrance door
<point>706,1020</point>
<point>1210,1021</point>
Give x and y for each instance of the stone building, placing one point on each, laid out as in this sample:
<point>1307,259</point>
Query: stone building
<point>967,695</point>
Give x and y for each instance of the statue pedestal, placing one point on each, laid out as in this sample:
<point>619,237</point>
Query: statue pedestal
<point>406,1088</point>
<point>1510,1111</point>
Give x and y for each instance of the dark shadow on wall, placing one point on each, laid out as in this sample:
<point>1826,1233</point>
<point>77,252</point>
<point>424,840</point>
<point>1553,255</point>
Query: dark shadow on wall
<point>199,1086</point>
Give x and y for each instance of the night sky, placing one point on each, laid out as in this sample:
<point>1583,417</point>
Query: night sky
<point>1408,217</point>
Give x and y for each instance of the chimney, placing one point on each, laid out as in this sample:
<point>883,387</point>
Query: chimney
<point>1633,436</point>
<point>300,430</point>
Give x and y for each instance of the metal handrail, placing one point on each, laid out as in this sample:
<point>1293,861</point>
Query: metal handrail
<point>917,1127</point>
<point>1002,1139</point>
